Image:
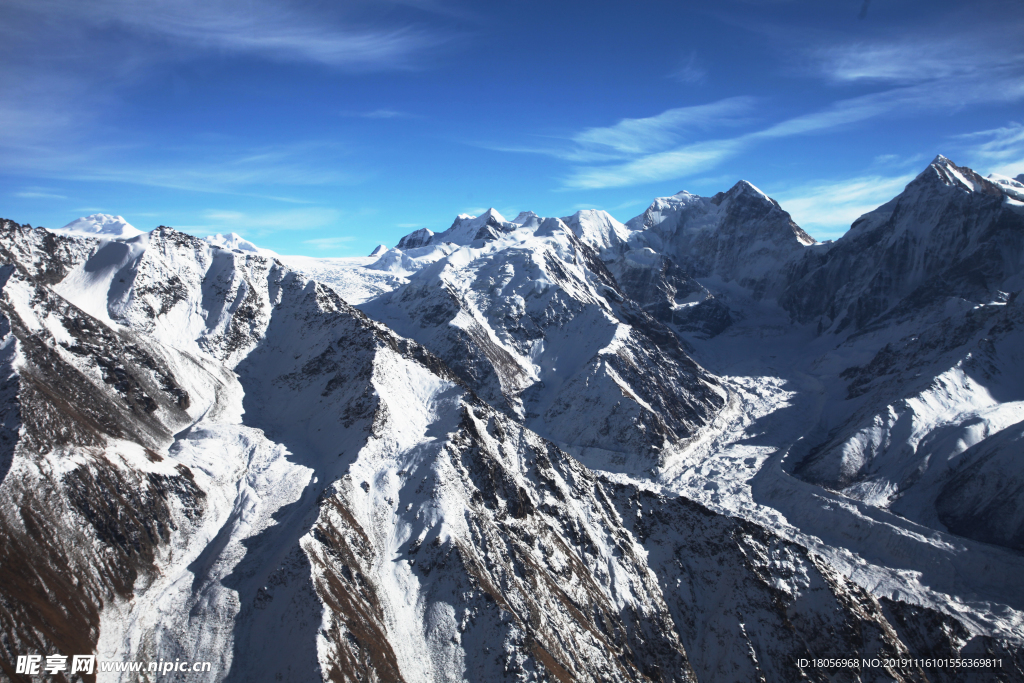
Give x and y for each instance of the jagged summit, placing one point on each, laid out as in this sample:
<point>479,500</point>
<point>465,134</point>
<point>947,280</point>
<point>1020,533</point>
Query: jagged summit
<point>948,173</point>
<point>468,228</point>
<point>102,225</point>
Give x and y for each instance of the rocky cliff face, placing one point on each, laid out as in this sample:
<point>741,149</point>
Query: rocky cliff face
<point>556,449</point>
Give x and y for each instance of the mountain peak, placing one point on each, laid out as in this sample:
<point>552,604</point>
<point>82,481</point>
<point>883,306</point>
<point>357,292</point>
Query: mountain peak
<point>232,241</point>
<point>948,173</point>
<point>743,188</point>
<point>468,228</point>
<point>416,238</point>
<point>597,228</point>
<point>491,214</point>
<point>102,224</point>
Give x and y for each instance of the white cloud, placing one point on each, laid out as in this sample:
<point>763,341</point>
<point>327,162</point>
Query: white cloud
<point>927,73</point>
<point>632,137</point>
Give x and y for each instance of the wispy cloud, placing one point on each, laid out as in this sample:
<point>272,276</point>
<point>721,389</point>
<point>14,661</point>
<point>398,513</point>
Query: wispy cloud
<point>379,114</point>
<point>921,58</point>
<point>689,71</point>
<point>38,193</point>
<point>630,138</point>
<point>676,163</point>
<point>56,110</point>
<point>638,136</point>
<point>213,169</point>
<point>826,209</point>
<point>915,74</point>
<point>1000,85</point>
<point>279,29</point>
<point>243,222</point>
<point>999,150</point>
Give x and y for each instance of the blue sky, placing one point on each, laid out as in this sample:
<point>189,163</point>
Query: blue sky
<point>325,128</point>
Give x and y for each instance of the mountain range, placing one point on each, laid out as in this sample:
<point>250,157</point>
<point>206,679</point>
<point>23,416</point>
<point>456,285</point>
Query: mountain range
<point>695,446</point>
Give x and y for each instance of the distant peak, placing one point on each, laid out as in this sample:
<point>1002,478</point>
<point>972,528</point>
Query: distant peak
<point>102,224</point>
<point>232,241</point>
<point>379,250</point>
<point>416,238</point>
<point>1014,187</point>
<point>524,216</point>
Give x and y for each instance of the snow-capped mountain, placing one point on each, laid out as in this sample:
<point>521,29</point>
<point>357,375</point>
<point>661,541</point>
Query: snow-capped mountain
<point>949,234</point>
<point>101,224</point>
<point>530,318</point>
<point>697,446</point>
<point>235,241</point>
